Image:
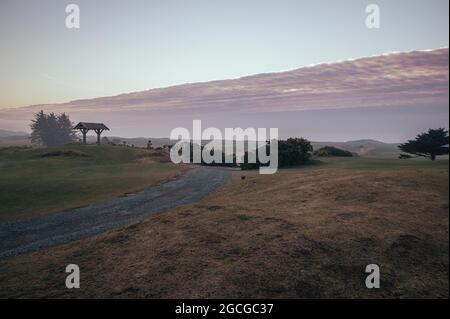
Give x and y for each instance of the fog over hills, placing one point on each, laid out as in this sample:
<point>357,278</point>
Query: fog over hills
<point>6,133</point>
<point>389,97</point>
<point>365,148</point>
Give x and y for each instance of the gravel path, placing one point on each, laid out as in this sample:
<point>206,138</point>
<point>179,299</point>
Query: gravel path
<point>18,237</point>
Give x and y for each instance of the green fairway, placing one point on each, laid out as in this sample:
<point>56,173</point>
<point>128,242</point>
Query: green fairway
<point>41,181</point>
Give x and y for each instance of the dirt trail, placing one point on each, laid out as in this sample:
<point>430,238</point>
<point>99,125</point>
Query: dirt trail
<point>18,237</point>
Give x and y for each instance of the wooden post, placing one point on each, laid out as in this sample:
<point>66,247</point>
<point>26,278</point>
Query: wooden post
<point>99,132</point>
<point>84,131</point>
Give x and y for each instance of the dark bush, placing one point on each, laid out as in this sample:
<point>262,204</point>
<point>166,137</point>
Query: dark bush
<point>332,151</point>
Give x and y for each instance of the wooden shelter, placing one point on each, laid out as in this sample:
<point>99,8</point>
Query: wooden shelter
<point>85,127</point>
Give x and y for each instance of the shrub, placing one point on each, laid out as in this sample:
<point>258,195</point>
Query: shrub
<point>332,151</point>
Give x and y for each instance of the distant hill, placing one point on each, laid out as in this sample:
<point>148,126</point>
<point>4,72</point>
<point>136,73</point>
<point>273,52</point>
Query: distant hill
<point>367,147</point>
<point>12,138</point>
<point>6,133</point>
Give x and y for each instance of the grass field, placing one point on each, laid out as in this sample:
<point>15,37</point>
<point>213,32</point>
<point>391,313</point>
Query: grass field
<point>302,233</point>
<point>41,181</point>
<point>378,162</point>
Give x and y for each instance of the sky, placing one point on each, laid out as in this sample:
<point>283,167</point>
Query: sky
<point>126,46</point>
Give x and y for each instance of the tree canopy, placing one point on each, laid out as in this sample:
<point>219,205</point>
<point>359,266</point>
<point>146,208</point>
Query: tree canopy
<point>430,144</point>
<point>52,130</point>
<point>294,151</point>
<point>291,152</point>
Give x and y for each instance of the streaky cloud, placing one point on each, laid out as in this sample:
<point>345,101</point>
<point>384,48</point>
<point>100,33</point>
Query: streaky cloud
<point>414,79</point>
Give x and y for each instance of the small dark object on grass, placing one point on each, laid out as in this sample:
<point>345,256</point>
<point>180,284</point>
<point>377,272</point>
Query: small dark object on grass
<point>243,177</point>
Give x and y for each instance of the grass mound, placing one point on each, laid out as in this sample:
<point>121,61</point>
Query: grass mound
<point>66,153</point>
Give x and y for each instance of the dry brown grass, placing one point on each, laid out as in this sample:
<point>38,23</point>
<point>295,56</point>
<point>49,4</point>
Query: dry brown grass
<point>297,234</point>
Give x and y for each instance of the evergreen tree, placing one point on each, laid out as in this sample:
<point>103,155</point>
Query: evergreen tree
<point>52,130</point>
<point>430,144</point>
<point>65,128</point>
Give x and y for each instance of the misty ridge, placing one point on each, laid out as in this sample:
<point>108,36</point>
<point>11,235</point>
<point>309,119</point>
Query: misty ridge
<point>358,147</point>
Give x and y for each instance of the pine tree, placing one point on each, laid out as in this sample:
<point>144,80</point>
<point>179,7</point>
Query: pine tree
<point>38,128</point>
<point>430,144</point>
<point>66,131</point>
<point>52,130</point>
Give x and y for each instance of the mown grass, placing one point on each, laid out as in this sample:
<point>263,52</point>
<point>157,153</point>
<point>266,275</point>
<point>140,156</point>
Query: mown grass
<point>40,181</point>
